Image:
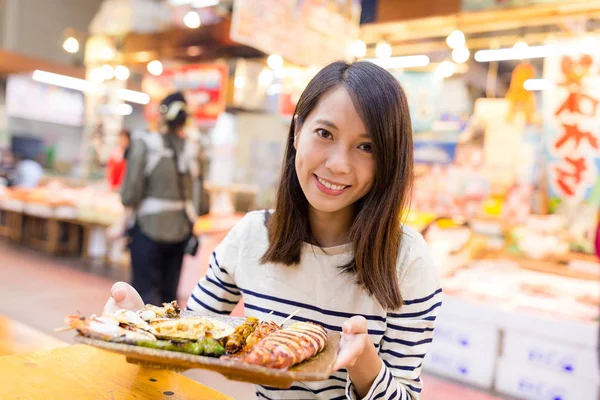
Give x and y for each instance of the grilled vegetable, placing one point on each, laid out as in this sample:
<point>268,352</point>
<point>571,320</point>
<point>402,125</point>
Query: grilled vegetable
<point>236,341</point>
<point>203,347</point>
<point>289,346</point>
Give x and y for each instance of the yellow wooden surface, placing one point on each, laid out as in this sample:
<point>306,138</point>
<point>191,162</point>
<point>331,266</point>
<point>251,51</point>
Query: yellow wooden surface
<point>84,372</point>
<point>16,337</point>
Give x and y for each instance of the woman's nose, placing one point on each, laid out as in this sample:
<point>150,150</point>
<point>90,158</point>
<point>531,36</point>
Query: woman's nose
<point>338,162</point>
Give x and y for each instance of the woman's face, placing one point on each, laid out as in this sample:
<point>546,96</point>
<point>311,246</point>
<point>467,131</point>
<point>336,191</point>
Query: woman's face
<point>334,154</point>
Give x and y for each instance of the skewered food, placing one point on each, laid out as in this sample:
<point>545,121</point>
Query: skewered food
<point>263,330</point>
<point>290,346</point>
<point>236,341</point>
<point>95,328</point>
<point>202,347</point>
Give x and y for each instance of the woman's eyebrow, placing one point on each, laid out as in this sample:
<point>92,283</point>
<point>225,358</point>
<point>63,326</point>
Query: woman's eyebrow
<point>328,123</point>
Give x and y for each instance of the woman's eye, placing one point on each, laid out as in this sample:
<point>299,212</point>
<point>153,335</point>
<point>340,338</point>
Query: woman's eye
<point>368,147</point>
<point>323,133</point>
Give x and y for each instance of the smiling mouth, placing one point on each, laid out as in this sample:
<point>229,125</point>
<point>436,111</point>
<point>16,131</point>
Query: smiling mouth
<point>331,186</point>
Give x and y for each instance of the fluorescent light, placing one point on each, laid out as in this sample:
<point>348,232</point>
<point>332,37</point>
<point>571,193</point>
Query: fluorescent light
<point>204,3</point>
<point>63,81</point>
<point>108,71</point>
<point>155,68</point>
<point>115,109</point>
<point>358,49</point>
<point>195,3</point>
<point>122,72</point>
<point>446,69</point>
<point>86,86</point>
<point>265,78</point>
<point>520,52</point>
<point>124,109</point>
<point>460,55</point>
<point>275,62</point>
<point>456,39</point>
<point>401,62</point>
<point>383,50</point>
<point>133,97</point>
<point>537,84</point>
<point>192,20</point>
<point>71,45</point>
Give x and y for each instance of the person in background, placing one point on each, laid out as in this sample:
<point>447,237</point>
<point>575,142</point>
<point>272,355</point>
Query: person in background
<point>161,171</point>
<point>28,173</point>
<point>117,161</point>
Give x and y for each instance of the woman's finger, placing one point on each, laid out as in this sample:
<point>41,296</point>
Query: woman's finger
<point>355,325</point>
<point>351,347</point>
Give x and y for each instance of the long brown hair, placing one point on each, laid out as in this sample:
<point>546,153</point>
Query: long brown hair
<point>376,231</point>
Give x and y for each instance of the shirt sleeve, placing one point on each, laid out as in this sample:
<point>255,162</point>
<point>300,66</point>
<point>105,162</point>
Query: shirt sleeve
<point>132,191</point>
<point>217,292</point>
<point>409,332</point>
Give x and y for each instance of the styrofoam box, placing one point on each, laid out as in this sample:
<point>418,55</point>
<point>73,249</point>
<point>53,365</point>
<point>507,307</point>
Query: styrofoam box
<point>568,360</point>
<point>523,382</point>
<point>479,313</point>
<point>576,333</point>
<point>464,351</point>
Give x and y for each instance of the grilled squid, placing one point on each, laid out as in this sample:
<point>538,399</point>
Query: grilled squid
<point>290,346</point>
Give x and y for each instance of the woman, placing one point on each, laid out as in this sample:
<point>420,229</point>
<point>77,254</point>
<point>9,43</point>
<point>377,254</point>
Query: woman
<point>158,189</point>
<point>335,247</point>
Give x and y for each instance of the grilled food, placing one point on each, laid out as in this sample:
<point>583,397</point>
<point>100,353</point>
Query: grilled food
<point>190,328</point>
<point>263,330</point>
<point>236,341</point>
<point>290,346</point>
<point>202,347</point>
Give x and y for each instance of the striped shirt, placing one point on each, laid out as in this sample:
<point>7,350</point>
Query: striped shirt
<point>329,298</point>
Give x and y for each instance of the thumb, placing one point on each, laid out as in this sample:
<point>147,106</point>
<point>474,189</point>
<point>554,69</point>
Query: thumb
<point>123,296</point>
<point>119,291</point>
<point>355,325</point>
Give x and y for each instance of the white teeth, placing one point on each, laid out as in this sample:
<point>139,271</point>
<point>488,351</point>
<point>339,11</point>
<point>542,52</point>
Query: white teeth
<point>331,186</point>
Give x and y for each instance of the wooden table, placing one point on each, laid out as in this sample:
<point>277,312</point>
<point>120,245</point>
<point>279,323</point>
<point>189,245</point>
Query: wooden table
<point>16,337</point>
<point>83,372</point>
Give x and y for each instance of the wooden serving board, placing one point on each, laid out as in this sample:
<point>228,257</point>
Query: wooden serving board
<point>318,368</point>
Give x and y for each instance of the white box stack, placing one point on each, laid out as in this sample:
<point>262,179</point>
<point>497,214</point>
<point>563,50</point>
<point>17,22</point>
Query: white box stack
<point>465,344</point>
<point>544,358</point>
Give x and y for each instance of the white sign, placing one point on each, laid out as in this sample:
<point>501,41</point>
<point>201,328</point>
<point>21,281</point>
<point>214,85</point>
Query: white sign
<point>28,99</point>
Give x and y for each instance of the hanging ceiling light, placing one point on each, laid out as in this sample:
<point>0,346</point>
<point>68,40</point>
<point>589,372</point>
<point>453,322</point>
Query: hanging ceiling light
<point>358,49</point>
<point>155,67</point>
<point>71,45</point>
<point>460,54</point>
<point>107,71</point>
<point>446,69</point>
<point>275,62</point>
<point>265,78</point>
<point>121,72</point>
<point>383,50</point>
<point>96,75</point>
<point>192,20</point>
<point>401,62</point>
<point>456,39</point>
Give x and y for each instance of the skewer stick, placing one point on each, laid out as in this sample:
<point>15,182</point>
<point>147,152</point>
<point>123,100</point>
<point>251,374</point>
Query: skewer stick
<point>63,329</point>
<point>289,317</point>
<point>263,319</point>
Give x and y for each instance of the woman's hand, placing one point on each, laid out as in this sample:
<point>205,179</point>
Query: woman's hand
<point>123,296</point>
<point>355,339</point>
<point>358,355</point>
